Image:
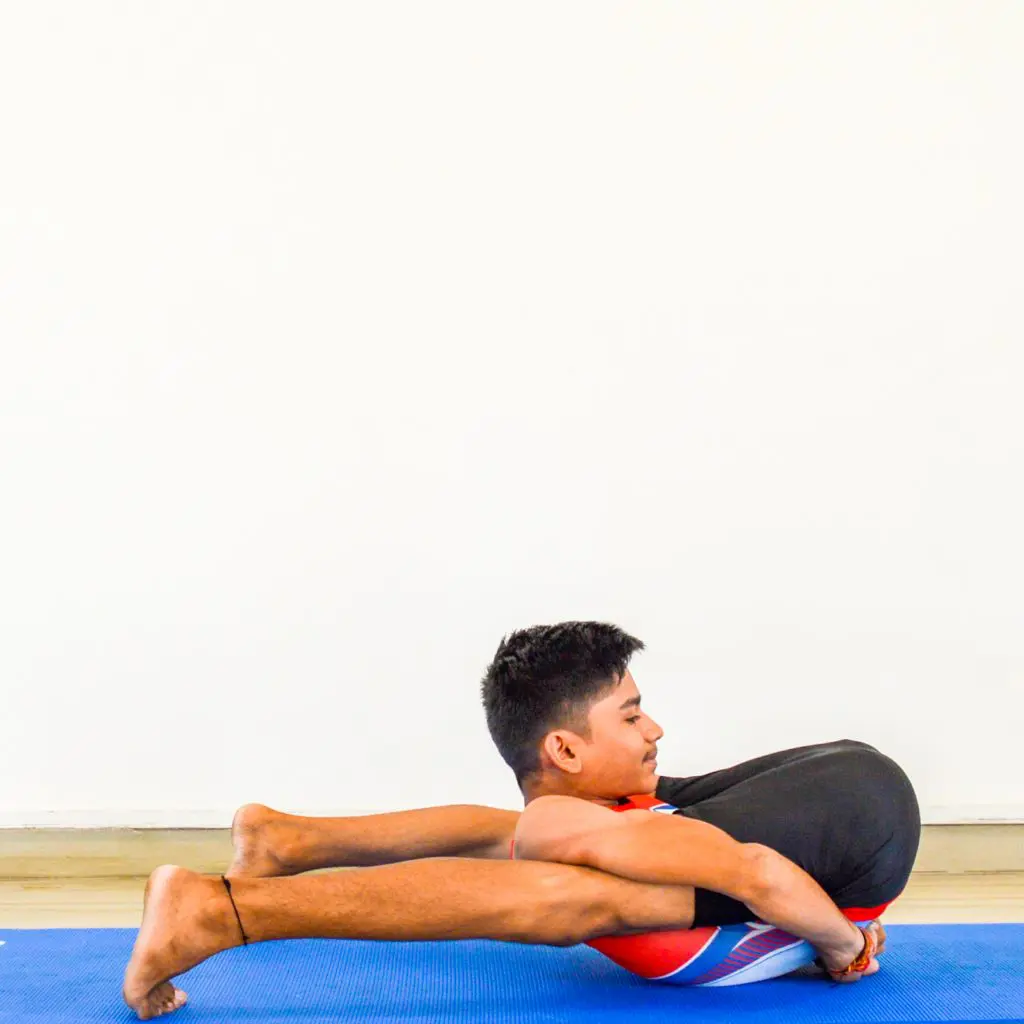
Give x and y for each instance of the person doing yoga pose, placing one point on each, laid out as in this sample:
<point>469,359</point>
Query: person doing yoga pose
<point>748,872</point>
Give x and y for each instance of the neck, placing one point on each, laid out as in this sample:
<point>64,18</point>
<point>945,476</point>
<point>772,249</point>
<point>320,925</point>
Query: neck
<point>544,784</point>
<point>536,786</point>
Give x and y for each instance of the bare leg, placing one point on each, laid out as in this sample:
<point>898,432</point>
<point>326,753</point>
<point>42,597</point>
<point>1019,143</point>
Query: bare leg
<point>189,917</point>
<point>269,842</point>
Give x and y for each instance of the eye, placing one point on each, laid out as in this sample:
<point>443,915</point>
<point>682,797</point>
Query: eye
<point>633,718</point>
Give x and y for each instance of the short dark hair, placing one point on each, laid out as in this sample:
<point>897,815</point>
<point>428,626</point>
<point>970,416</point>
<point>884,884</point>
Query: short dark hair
<point>547,677</point>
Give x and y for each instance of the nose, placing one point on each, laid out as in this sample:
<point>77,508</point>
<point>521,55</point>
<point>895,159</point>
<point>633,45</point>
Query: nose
<point>654,731</point>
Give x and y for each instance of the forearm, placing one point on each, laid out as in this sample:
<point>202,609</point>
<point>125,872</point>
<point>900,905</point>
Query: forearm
<point>653,850</point>
<point>789,898</point>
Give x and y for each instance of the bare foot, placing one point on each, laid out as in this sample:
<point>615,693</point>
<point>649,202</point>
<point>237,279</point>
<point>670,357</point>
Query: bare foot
<point>186,918</point>
<point>259,835</point>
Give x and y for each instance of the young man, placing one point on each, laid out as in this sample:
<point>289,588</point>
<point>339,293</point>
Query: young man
<point>750,841</point>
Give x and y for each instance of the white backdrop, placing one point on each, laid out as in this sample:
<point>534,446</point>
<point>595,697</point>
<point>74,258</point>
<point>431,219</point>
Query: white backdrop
<point>340,339</point>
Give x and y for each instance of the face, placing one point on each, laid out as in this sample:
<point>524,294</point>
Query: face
<point>619,757</point>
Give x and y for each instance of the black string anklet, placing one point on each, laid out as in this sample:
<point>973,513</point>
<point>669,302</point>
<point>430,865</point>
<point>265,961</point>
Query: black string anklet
<point>227,885</point>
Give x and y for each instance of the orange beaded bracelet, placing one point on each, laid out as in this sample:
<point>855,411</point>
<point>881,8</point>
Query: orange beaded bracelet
<point>860,963</point>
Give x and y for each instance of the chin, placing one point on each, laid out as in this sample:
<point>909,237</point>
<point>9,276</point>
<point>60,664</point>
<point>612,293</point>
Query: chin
<point>648,782</point>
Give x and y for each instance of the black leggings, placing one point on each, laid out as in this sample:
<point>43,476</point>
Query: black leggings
<point>842,811</point>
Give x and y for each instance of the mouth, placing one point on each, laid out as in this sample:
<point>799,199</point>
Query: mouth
<point>651,758</point>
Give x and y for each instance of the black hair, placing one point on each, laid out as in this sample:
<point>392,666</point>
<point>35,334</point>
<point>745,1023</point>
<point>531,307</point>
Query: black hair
<point>547,677</point>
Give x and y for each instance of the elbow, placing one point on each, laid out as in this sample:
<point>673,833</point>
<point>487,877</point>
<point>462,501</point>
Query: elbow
<point>550,847</point>
<point>758,876</point>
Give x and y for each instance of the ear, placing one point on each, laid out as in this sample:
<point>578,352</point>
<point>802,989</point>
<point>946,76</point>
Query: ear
<point>561,748</point>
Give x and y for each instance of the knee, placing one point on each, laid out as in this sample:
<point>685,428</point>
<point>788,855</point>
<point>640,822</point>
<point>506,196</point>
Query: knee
<point>572,905</point>
<point>887,792</point>
<point>853,745</point>
<point>868,761</point>
<point>855,761</point>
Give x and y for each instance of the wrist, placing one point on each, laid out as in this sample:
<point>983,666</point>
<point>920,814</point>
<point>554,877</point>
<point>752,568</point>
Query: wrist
<point>839,957</point>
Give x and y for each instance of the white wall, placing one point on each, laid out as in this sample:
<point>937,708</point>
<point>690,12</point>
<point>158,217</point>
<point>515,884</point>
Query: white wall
<point>340,339</point>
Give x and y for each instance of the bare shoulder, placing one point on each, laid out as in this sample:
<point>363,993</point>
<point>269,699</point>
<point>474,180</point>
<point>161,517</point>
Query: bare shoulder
<point>549,823</point>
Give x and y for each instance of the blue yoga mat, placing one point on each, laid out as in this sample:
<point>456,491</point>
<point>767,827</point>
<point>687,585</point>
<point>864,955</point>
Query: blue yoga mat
<point>930,973</point>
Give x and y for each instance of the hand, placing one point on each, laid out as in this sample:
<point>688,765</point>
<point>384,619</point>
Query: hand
<point>880,935</point>
<point>877,933</point>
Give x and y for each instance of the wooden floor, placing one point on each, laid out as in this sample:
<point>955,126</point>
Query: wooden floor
<point>110,902</point>
<point>93,878</point>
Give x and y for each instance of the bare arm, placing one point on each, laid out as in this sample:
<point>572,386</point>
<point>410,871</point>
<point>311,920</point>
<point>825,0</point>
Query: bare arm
<point>671,850</point>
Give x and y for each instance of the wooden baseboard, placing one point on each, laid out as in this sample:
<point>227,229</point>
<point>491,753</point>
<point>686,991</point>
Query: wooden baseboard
<point>963,849</point>
<point>130,853</point>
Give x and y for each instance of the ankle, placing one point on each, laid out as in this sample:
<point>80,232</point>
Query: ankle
<point>283,842</point>
<point>225,913</point>
<point>234,907</point>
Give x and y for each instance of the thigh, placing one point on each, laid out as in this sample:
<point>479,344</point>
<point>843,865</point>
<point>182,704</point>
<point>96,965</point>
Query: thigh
<point>688,790</point>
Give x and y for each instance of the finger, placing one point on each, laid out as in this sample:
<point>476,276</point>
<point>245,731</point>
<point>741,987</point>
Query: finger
<point>873,967</point>
<point>846,979</point>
